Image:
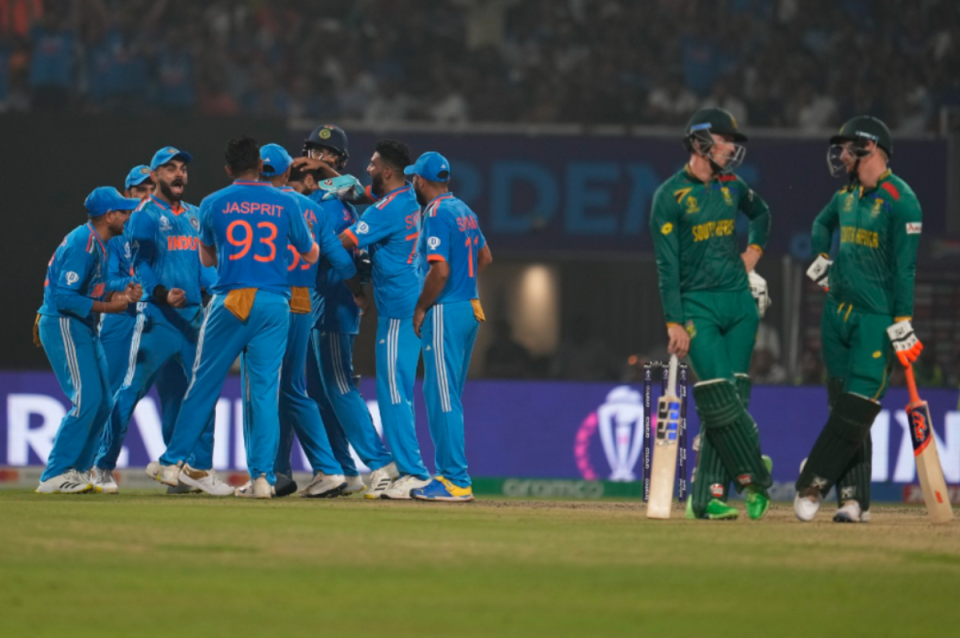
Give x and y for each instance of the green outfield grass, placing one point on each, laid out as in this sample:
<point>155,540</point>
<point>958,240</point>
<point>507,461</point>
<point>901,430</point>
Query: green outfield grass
<point>144,564</point>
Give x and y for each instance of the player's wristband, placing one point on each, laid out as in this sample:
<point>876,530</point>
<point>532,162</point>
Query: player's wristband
<point>160,294</point>
<point>757,248</point>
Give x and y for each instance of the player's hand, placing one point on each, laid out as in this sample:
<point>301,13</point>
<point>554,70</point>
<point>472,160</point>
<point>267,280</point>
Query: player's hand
<point>819,271</point>
<point>345,187</point>
<point>362,303</point>
<point>418,316</point>
<point>679,340</point>
<point>176,297</point>
<point>134,292</point>
<point>905,342</point>
<point>758,288</point>
<point>750,257</point>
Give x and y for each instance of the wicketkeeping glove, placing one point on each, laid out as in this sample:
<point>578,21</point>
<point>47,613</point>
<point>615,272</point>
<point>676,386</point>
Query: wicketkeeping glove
<point>758,288</point>
<point>819,270</point>
<point>345,187</point>
<point>905,342</point>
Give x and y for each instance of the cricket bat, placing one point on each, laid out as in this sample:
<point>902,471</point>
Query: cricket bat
<point>663,469</point>
<point>934,487</point>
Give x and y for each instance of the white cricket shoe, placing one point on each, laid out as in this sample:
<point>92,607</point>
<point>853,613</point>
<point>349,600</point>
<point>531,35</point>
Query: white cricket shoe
<point>205,480</point>
<point>355,485</point>
<point>257,488</point>
<point>104,481</point>
<point>400,489</point>
<point>807,504</point>
<point>324,486</point>
<point>166,474</point>
<point>850,512</point>
<point>70,482</point>
<point>381,479</point>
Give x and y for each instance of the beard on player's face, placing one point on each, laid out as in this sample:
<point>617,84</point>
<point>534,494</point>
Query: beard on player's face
<point>376,183</point>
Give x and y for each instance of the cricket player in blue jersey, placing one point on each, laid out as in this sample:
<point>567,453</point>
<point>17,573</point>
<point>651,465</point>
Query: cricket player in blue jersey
<point>298,412</point>
<point>164,236</point>
<point>75,291</point>
<point>446,319</point>
<point>244,231</point>
<point>116,333</point>
<point>330,376</point>
<point>390,228</point>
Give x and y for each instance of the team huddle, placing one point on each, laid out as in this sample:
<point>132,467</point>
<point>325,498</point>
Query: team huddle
<point>271,271</point>
<point>713,301</point>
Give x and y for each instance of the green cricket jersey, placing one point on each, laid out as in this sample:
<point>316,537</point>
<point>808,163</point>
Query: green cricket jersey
<point>694,236</point>
<point>874,269</point>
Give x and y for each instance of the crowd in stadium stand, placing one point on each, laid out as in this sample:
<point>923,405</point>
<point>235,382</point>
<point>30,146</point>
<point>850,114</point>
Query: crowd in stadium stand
<point>784,63</point>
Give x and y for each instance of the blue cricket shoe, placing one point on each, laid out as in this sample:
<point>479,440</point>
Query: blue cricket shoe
<point>441,489</point>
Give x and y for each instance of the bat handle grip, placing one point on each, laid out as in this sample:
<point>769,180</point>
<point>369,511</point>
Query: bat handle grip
<point>911,385</point>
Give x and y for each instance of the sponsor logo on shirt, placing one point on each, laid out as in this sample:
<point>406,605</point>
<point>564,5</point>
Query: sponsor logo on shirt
<point>363,228</point>
<point>165,224</point>
<point>667,228</point>
<point>195,223</point>
<point>693,206</point>
<point>914,228</point>
<point>72,278</point>
<point>433,243</point>
<point>126,250</point>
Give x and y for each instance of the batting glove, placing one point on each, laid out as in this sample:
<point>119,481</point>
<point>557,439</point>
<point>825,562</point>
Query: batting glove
<point>905,342</point>
<point>758,288</point>
<point>345,187</point>
<point>819,270</point>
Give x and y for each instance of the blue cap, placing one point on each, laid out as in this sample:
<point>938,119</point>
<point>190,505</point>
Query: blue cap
<point>432,166</point>
<point>137,176</point>
<point>168,153</point>
<point>276,160</point>
<point>107,198</point>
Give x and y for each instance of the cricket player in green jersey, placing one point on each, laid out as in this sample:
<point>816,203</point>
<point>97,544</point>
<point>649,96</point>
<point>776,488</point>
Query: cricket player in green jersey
<point>709,309</point>
<point>868,310</point>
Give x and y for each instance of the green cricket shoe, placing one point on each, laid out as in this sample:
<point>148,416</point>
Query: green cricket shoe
<point>717,510</point>
<point>758,501</point>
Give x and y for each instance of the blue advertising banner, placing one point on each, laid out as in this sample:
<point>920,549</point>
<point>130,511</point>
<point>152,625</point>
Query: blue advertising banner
<point>530,429</point>
<point>580,192</point>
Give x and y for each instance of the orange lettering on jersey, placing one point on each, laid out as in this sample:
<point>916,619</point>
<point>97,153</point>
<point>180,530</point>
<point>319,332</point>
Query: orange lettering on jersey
<point>98,290</point>
<point>467,223</point>
<point>413,221</point>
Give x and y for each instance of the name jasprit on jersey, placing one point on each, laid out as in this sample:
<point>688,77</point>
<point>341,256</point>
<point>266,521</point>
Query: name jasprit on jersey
<point>248,208</point>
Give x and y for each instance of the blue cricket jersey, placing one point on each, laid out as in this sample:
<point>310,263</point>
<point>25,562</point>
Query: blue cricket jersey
<point>251,223</point>
<point>164,242</point>
<point>341,313</point>
<point>391,230</point>
<point>302,274</point>
<point>76,276</point>
<point>453,235</point>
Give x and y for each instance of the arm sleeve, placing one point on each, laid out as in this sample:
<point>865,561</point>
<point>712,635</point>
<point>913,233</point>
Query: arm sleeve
<point>331,248</point>
<point>374,226</point>
<point>758,212</point>
<point>142,237</point>
<point>437,231</point>
<point>119,269</point>
<point>298,233</point>
<point>666,244</point>
<point>207,236</point>
<point>74,271</point>
<point>821,236</point>
<point>906,239</point>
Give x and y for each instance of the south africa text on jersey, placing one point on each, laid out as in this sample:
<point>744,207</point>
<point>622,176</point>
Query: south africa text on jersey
<point>722,228</point>
<point>248,208</point>
<point>859,236</point>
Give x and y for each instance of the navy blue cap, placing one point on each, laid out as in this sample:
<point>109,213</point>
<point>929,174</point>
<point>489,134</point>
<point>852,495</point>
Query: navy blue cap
<point>276,160</point>
<point>431,166</point>
<point>168,153</point>
<point>104,199</point>
<point>136,176</point>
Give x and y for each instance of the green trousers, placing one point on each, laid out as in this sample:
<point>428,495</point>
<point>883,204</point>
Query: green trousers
<point>723,330</point>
